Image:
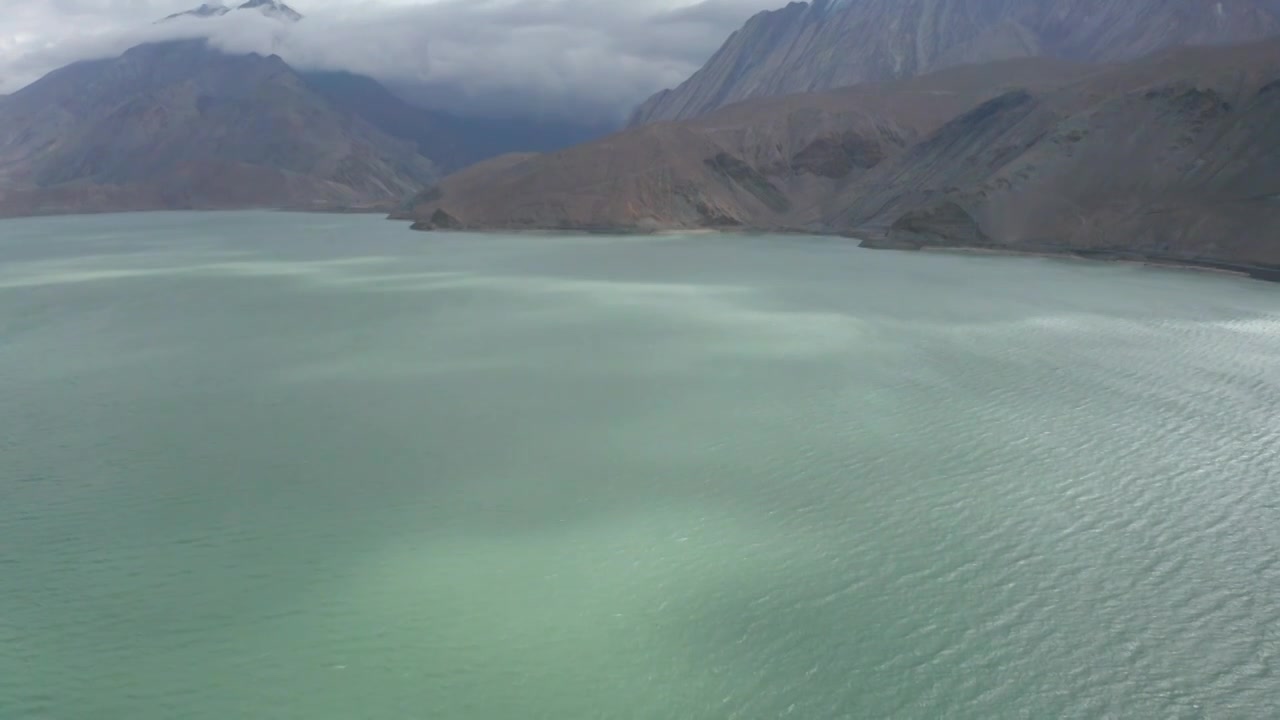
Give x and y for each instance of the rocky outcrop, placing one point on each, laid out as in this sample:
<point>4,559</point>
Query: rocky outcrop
<point>944,224</point>
<point>825,44</point>
<point>438,220</point>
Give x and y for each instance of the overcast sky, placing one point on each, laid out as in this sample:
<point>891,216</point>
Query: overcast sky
<point>594,57</point>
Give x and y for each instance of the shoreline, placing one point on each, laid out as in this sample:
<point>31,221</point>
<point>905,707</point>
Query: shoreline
<point>1263,273</point>
<point>870,241</point>
<point>1162,264</point>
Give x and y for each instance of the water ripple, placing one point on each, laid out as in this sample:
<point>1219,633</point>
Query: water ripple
<point>488,477</point>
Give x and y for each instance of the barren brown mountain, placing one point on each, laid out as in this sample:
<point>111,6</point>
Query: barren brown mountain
<point>1172,156</point>
<point>825,44</point>
<point>178,125</point>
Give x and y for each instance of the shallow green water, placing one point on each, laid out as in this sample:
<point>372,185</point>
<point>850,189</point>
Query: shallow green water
<point>278,466</point>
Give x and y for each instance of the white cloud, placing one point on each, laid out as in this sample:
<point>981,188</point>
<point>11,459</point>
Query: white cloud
<point>596,57</point>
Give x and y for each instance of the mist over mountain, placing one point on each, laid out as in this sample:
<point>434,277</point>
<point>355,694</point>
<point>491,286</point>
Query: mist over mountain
<point>452,141</point>
<point>217,118</point>
<point>206,10</point>
<point>586,61</point>
<point>268,8</point>
<point>183,124</point>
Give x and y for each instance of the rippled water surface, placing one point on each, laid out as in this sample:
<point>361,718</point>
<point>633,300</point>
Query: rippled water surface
<point>278,466</point>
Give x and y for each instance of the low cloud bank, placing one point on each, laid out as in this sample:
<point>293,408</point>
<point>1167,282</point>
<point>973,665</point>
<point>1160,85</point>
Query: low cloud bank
<point>588,59</point>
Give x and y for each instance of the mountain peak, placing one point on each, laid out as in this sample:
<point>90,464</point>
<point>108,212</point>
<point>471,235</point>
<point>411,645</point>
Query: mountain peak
<point>273,9</point>
<point>270,8</point>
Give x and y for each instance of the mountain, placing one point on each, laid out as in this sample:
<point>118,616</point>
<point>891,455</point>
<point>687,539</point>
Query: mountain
<point>754,164</point>
<point>833,43</point>
<point>1172,157</point>
<point>271,8</point>
<point>180,125</point>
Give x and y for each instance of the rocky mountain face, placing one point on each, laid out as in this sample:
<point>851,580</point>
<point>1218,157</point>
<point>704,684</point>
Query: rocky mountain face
<point>825,44</point>
<point>1172,156</point>
<point>754,164</point>
<point>179,125</point>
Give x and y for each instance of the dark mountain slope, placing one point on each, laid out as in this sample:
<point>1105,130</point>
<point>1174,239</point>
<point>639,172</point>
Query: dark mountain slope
<point>1175,157</point>
<point>178,125</point>
<point>833,43</point>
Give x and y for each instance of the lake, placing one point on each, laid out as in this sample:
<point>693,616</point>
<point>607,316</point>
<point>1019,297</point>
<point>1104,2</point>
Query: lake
<point>267,465</point>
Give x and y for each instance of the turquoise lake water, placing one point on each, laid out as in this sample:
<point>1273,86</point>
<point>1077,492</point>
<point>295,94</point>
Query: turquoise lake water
<point>263,465</point>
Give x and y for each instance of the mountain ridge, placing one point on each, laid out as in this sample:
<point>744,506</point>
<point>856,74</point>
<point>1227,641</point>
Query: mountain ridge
<point>807,47</point>
<point>243,130</point>
<point>180,125</point>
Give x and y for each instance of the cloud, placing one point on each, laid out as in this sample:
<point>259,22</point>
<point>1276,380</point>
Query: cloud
<point>592,59</point>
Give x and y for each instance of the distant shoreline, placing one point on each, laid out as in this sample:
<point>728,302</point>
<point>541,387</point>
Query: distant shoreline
<point>866,239</point>
<point>870,241</point>
<point>1266,273</point>
<point>1164,264</point>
